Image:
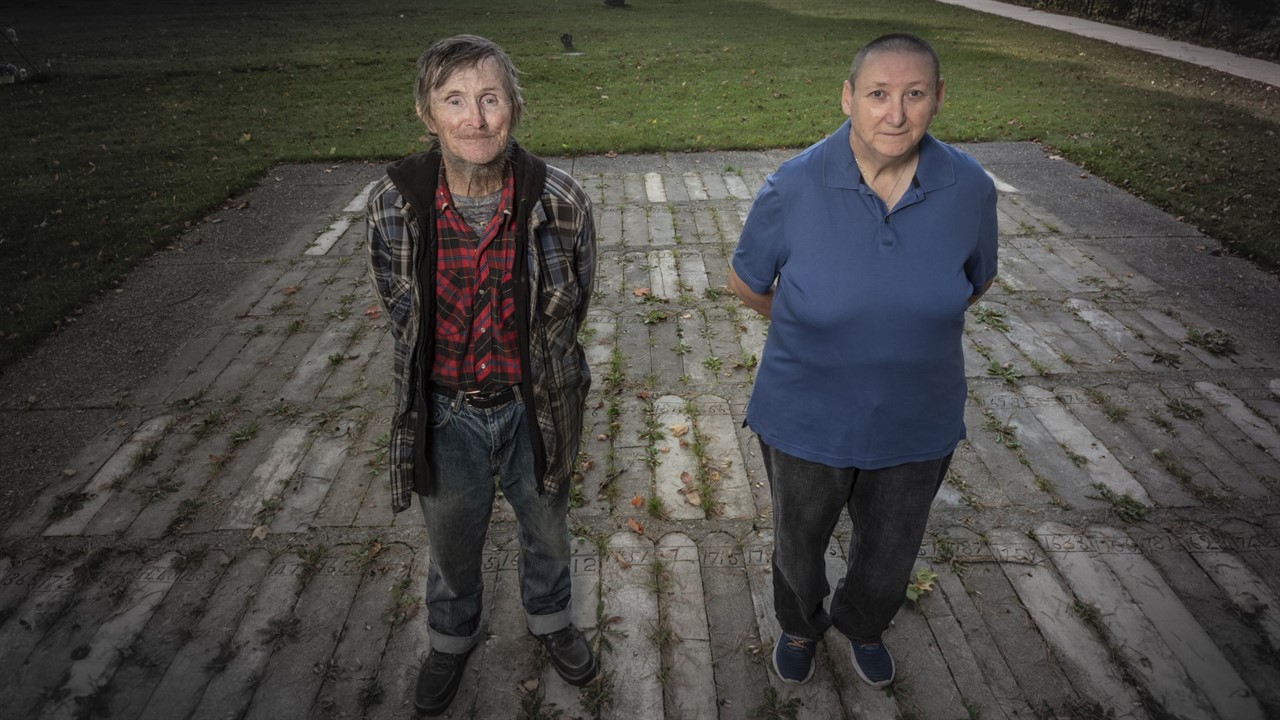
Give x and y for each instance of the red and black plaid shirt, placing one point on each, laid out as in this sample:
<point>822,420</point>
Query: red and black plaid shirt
<point>476,345</point>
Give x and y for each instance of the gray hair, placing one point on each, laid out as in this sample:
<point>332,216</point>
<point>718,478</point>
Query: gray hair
<point>895,42</point>
<point>447,56</point>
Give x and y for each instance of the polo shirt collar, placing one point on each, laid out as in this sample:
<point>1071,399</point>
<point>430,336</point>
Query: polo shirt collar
<point>839,170</point>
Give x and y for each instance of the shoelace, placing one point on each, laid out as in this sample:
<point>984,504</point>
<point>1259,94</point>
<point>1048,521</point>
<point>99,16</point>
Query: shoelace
<point>798,643</point>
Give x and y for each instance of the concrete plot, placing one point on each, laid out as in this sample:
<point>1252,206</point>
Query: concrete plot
<point>634,188</point>
<point>1030,343</point>
<point>151,479</point>
<point>664,278</point>
<point>1241,357</point>
<point>1227,601</point>
<point>1041,448</point>
<point>675,479</point>
<point>1038,672</point>
<point>1010,476</point>
<point>690,687</point>
<point>1135,454</point>
<point>275,371</point>
<point>266,485</point>
<point>608,226</point>
<point>375,511</point>
<point>754,180</point>
<point>1132,634</point>
<point>143,664</point>
<point>715,185</point>
<point>1181,630</point>
<point>101,580</point>
<point>584,569</point>
<point>1092,272</point>
<point>928,669</point>
<point>175,496</point>
<point>1044,256</point>
<point>249,361</point>
<point>611,187</point>
<point>975,365</point>
<point>1171,352</point>
<point>37,597</point>
<point>317,364</point>
<point>686,228</point>
<point>1065,334</point>
<point>729,218</point>
<point>280,296</point>
<point>693,274</point>
<point>970,483</point>
<point>325,241</point>
<point>361,474</point>
<point>697,351</point>
<point>592,184</point>
<point>694,187</point>
<point>507,654</point>
<point>610,278</point>
<point>305,644</point>
<point>600,338</point>
<point>708,226</point>
<point>737,187</point>
<point>723,339</point>
<point>97,663</point>
<point>740,660</point>
<point>361,361</point>
<point>993,346</point>
<point>673,188</point>
<point>311,482</point>
<point>407,645</point>
<point>1115,334</point>
<point>239,661</point>
<point>997,694</point>
<point>100,487</point>
<point>1217,424</point>
<point>1240,415</point>
<point>1120,271</point>
<point>726,469</point>
<point>1052,607</point>
<point>632,663</point>
<point>1019,275</point>
<point>819,697</point>
<point>1257,394</point>
<point>1176,331</point>
<point>202,370</point>
<point>1190,442</point>
<point>635,226</point>
<point>1100,465</point>
<point>631,463</point>
<point>662,230</point>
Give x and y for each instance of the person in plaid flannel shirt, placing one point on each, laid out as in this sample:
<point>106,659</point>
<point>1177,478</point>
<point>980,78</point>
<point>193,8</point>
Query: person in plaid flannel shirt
<point>483,257</point>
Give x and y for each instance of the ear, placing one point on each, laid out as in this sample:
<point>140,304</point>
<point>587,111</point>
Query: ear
<point>846,98</point>
<point>941,93</point>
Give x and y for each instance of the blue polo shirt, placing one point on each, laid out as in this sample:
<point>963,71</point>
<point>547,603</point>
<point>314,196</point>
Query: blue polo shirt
<point>863,365</point>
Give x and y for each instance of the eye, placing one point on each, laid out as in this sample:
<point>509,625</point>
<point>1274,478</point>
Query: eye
<point>491,101</point>
<point>453,102</point>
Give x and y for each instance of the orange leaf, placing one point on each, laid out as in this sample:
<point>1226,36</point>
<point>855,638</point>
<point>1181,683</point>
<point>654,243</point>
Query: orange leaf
<point>686,478</point>
<point>642,292</point>
<point>373,312</point>
<point>679,430</point>
<point>636,527</point>
<point>637,501</point>
<point>291,290</point>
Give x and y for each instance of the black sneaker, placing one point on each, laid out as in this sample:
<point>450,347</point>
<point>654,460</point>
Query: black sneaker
<point>571,654</point>
<point>438,681</point>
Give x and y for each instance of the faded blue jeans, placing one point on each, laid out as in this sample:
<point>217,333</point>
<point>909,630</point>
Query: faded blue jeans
<point>473,448</point>
<point>889,508</point>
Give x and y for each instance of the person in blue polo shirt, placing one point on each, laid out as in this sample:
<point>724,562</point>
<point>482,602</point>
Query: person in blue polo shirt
<point>864,251</point>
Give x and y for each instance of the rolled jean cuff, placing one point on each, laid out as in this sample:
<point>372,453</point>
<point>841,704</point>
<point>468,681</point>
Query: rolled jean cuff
<point>452,644</point>
<point>549,623</point>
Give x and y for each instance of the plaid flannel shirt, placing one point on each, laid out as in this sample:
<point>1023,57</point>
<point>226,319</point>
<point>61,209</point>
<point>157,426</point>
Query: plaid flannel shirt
<point>560,277</point>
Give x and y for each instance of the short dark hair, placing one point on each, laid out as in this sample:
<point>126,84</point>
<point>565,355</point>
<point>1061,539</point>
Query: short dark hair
<point>447,56</point>
<point>895,42</point>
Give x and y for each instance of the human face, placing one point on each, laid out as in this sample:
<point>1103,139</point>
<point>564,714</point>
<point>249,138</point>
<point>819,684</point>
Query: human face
<point>896,97</point>
<point>471,114</point>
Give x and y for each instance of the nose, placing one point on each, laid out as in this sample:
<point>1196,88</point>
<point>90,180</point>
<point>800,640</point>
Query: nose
<point>475,114</point>
<point>897,112</point>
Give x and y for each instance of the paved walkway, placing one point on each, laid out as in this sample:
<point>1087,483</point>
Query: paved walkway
<point>220,545</point>
<point>1245,67</point>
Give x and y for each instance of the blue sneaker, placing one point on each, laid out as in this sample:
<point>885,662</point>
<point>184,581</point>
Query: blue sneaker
<point>793,658</point>
<point>873,661</point>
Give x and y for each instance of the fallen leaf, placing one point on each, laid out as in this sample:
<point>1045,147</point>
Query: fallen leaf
<point>714,475</point>
<point>665,449</point>
<point>69,472</point>
<point>529,686</point>
<point>686,478</point>
<point>291,290</point>
<point>373,312</point>
<point>611,154</point>
<point>693,498</point>
<point>642,395</point>
<point>637,501</point>
<point>679,429</point>
<point>635,526</point>
<point>642,292</point>
<point>260,532</point>
<point>587,464</point>
<point>602,437</point>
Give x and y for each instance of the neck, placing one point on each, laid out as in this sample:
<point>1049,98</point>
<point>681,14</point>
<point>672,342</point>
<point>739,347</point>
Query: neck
<point>471,180</point>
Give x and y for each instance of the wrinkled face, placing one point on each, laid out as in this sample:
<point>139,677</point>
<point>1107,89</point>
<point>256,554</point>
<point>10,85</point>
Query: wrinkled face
<point>895,99</point>
<point>471,115</point>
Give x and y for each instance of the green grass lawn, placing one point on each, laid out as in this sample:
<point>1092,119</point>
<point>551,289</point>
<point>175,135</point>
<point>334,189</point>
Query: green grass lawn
<point>158,112</point>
